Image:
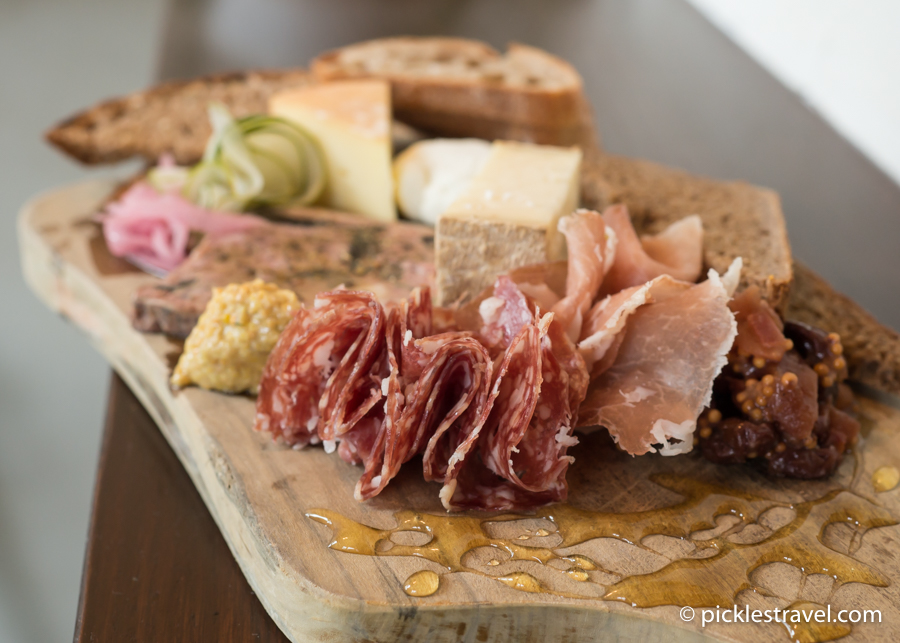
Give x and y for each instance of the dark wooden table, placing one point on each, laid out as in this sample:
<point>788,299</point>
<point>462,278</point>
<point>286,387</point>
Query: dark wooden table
<point>157,568</point>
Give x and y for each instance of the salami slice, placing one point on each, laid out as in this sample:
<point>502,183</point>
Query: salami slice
<point>521,458</point>
<point>325,372</point>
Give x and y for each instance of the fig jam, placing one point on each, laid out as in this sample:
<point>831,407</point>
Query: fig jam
<point>786,410</point>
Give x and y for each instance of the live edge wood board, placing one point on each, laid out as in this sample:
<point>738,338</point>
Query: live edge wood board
<point>639,539</point>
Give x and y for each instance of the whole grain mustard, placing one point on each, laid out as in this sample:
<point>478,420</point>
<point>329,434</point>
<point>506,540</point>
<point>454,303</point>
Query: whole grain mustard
<point>227,349</point>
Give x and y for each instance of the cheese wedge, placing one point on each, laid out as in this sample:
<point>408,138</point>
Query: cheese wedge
<point>507,217</point>
<point>351,121</point>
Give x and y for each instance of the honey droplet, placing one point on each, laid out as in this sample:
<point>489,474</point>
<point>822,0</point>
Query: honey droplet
<point>523,537</point>
<point>542,532</point>
<point>885,479</point>
<point>522,582</point>
<point>494,562</point>
<point>576,573</point>
<point>422,583</point>
<point>582,561</point>
<point>801,631</point>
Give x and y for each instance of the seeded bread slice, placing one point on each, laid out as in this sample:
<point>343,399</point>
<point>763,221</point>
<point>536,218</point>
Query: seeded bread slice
<point>171,117</point>
<point>739,219</point>
<point>458,87</point>
<point>872,351</point>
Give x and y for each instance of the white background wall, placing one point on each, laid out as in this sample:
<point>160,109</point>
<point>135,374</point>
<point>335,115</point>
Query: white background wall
<point>841,56</point>
<point>56,57</point>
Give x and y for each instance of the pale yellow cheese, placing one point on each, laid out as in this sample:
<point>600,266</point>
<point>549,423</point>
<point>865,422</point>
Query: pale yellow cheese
<point>506,218</point>
<point>351,121</point>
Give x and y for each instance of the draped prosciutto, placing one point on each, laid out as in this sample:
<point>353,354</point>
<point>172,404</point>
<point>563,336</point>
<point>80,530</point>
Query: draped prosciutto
<point>591,246</point>
<point>677,251</point>
<point>655,351</point>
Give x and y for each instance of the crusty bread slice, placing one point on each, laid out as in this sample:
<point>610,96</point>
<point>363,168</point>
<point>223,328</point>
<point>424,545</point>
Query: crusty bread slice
<point>459,87</point>
<point>170,117</point>
<point>872,351</point>
<point>739,219</point>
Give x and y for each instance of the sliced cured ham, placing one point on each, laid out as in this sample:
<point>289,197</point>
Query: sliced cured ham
<point>666,356</point>
<point>591,255</point>
<point>677,252</point>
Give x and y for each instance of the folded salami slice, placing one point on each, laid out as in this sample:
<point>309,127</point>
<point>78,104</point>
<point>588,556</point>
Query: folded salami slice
<point>539,379</point>
<point>436,394</point>
<point>325,372</point>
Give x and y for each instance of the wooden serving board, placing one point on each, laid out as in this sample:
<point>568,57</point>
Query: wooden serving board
<point>639,539</point>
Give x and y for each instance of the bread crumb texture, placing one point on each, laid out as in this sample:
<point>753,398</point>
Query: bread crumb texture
<point>228,348</point>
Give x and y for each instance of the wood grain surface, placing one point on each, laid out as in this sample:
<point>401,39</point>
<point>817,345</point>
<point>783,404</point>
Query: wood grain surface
<point>157,568</point>
<point>640,538</point>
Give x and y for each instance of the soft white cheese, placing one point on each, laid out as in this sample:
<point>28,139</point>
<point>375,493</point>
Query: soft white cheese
<point>430,175</point>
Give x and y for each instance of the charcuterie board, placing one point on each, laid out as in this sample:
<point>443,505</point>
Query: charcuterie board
<point>639,540</point>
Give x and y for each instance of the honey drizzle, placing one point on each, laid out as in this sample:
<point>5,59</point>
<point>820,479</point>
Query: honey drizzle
<point>712,580</point>
<point>812,632</point>
<point>422,583</point>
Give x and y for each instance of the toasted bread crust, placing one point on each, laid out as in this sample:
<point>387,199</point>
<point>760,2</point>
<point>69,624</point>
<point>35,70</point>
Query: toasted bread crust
<point>872,350</point>
<point>168,118</point>
<point>459,87</point>
<point>739,219</point>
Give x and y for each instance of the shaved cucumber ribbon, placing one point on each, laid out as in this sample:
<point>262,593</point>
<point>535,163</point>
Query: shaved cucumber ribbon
<point>258,160</point>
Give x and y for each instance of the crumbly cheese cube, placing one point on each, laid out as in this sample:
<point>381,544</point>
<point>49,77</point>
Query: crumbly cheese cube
<point>351,121</point>
<point>506,218</point>
<point>228,348</point>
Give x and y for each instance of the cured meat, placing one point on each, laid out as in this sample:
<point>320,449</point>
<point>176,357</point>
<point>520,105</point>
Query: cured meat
<point>666,358</point>
<point>539,380</point>
<point>591,253</point>
<point>325,372</point>
<point>436,392</point>
<point>677,252</point>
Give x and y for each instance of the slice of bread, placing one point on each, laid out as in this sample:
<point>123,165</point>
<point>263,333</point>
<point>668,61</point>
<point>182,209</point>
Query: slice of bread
<point>872,351</point>
<point>458,87</point>
<point>739,219</point>
<point>170,117</point>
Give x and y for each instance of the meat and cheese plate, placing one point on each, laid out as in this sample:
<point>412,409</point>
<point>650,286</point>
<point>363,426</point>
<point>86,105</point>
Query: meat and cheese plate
<point>506,418</point>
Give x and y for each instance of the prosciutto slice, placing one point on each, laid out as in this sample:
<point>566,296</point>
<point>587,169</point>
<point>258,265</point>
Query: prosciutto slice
<point>591,254</point>
<point>677,252</point>
<point>673,341</point>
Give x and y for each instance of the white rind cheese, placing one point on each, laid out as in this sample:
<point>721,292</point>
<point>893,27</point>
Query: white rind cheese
<point>351,121</point>
<point>507,217</point>
<point>430,175</point>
